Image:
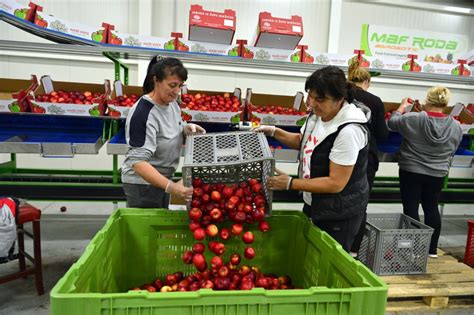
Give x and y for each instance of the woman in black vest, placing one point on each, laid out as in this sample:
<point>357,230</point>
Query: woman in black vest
<point>333,146</point>
<point>360,78</point>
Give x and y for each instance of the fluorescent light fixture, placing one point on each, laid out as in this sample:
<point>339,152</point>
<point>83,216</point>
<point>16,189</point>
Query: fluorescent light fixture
<point>457,9</point>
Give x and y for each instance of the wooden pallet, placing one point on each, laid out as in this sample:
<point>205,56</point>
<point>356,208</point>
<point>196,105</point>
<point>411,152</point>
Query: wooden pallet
<point>448,283</point>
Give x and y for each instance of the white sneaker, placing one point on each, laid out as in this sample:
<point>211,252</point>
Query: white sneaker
<point>433,255</point>
<point>353,255</point>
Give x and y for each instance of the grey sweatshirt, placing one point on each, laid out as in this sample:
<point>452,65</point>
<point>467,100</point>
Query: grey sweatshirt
<point>154,133</point>
<point>429,142</point>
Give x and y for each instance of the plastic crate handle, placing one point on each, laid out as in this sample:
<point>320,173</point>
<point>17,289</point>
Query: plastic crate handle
<point>404,244</point>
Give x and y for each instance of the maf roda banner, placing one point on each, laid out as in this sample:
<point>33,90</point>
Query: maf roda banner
<point>382,41</point>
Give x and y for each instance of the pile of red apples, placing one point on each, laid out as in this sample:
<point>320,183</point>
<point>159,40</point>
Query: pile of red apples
<point>72,97</point>
<point>278,110</point>
<point>124,100</point>
<point>215,103</point>
<point>221,212</point>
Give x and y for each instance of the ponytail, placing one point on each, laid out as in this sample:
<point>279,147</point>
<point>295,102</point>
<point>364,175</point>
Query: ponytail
<point>160,68</point>
<point>356,74</point>
<point>149,84</point>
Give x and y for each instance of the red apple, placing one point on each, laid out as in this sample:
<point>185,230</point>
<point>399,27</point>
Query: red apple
<point>263,226</point>
<point>223,272</point>
<point>206,188</point>
<point>235,259</point>
<point>227,192</point>
<point>252,181</point>
<point>207,284</point>
<point>216,262</point>
<point>184,284</point>
<point>215,195</point>
<point>205,198</point>
<point>258,215</point>
<point>212,230</point>
<point>219,249</point>
<point>248,208</point>
<point>262,282</point>
<point>193,226</point>
<point>197,182</point>
<point>199,248</point>
<point>244,270</point>
<point>198,192</point>
<point>246,285</point>
<point>225,234</point>
<point>216,214</point>
<point>221,283</point>
<point>249,252</point>
<point>158,284</point>
<point>248,237</point>
<point>188,257</point>
<point>194,286</point>
<point>170,279</point>
<point>237,229</point>
<point>211,245</point>
<point>196,203</point>
<point>239,217</point>
<point>150,288</point>
<point>199,261</point>
<point>239,192</point>
<point>257,188</point>
<point>235,200</point>
<point>199,234</point>
<point>195,214</point>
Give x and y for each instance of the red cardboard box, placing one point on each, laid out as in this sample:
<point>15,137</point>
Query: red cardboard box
<point>273,32</point>
<point>8,87</point>
<point>274,101</point>
<point>212,27</point>
<point>231,116</point>
<point>57,107</point>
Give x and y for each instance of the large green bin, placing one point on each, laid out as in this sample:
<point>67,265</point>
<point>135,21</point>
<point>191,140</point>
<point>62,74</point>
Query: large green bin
<point>137,245</point>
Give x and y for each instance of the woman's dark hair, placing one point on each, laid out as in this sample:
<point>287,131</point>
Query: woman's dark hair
<point>330,81</point>
<point>161,68</point>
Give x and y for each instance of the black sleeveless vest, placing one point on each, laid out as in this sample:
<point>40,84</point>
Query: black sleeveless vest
<point>353,199</point>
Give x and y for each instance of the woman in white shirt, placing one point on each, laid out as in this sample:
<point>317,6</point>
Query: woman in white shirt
<point>333,146</point>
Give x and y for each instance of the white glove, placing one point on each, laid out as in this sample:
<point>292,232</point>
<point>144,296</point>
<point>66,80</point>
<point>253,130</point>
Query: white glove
<point>266,129</point>
<point>179,190</point>
<point>192,129</point>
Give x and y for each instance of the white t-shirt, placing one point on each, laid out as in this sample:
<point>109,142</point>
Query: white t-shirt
<point>350,140</point>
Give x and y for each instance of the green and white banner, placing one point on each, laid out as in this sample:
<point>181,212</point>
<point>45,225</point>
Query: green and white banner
<point>382,41</point>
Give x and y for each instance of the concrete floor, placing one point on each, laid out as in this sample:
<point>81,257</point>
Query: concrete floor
<point>66,234</point>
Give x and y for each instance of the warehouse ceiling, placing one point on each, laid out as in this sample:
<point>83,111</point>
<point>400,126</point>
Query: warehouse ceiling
<point>452,6</point>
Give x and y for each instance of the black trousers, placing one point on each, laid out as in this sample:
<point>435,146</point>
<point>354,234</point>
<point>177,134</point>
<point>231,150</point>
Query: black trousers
<point>343,231</point>
<point>145,196</point>
<point>372,167</point>
<point>416,188</point>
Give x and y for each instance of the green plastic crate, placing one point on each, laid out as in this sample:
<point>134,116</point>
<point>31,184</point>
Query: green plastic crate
<point>137,245</point>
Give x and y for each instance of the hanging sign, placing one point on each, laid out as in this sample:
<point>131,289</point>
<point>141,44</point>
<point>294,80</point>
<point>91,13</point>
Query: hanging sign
<point>382,42</point>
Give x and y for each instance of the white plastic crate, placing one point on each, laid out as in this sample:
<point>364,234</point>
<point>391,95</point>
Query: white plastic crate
<point>229,157</point>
